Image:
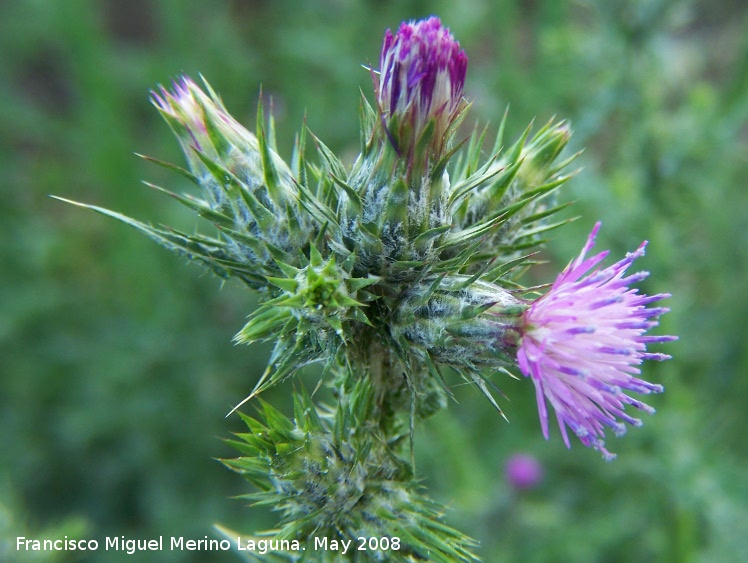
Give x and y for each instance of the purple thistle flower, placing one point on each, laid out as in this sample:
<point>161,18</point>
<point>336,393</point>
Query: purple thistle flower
<point>421,78</point>
<point>581,343</point>
<point>523,471</point>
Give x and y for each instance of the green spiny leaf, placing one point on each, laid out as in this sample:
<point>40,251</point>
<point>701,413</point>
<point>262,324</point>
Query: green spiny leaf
<point>196,248</point>
<point>173,167</point>
<point>461,189</point>
<point>198,206</point>
<point>289,285</point>
<point>500,134</point>
<point>270,173</point>
<point>545,213</point>
<point>396,208</point>
<point>263,327</point>
<point>368,119</point>
<point>353,196</point>
<point>315,258</point>
<point>543,228</point>
<point>235,189</point>
<point>425,238</point>
<point>334,166</point>
<point>354,284</point>
<point>298,157</point>
<point>219,141</point>
<point>288,270</point>
<point>318,210</point>
<point>276,421</point>
<point>474,232</point>
<point>441,165</point>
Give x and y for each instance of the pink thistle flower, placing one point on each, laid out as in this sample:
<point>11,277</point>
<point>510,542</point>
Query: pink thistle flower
<point>581,343</point>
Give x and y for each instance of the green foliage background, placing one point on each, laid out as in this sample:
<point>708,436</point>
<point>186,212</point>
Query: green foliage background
<point>116,362</point>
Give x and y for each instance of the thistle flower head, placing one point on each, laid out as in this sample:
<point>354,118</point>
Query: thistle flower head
<point>581,345</point>
<point>421,79</point>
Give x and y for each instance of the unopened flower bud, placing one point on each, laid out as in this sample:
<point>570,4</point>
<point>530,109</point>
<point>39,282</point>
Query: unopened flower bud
<point>209,134</point>
<point>201,123</point>
<point>421,80</point>
<point>461,324</point>
<point>540,154</point>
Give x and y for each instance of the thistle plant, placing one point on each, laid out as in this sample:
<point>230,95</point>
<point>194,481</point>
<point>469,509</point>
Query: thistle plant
<point>399,274</point>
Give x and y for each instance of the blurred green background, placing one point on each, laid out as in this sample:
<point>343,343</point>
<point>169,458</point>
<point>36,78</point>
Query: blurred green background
<point>116,362</point>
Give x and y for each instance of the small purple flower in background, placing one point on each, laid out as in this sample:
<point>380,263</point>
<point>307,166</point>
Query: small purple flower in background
<point>422,74</point>
<point>523,471</point>
<point>581,343</point>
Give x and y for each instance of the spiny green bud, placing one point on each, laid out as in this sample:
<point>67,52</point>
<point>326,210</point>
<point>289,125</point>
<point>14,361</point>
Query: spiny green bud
<point>465,324</point>
<point>460,322</point>
<point>515,187</point>
<point>538,173</point>
<point>320,296</point>
<point>539,155</point>
<point>335,477</point>
<point>207,131</point>
<point>244,180</point>
<point>319,309</point>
